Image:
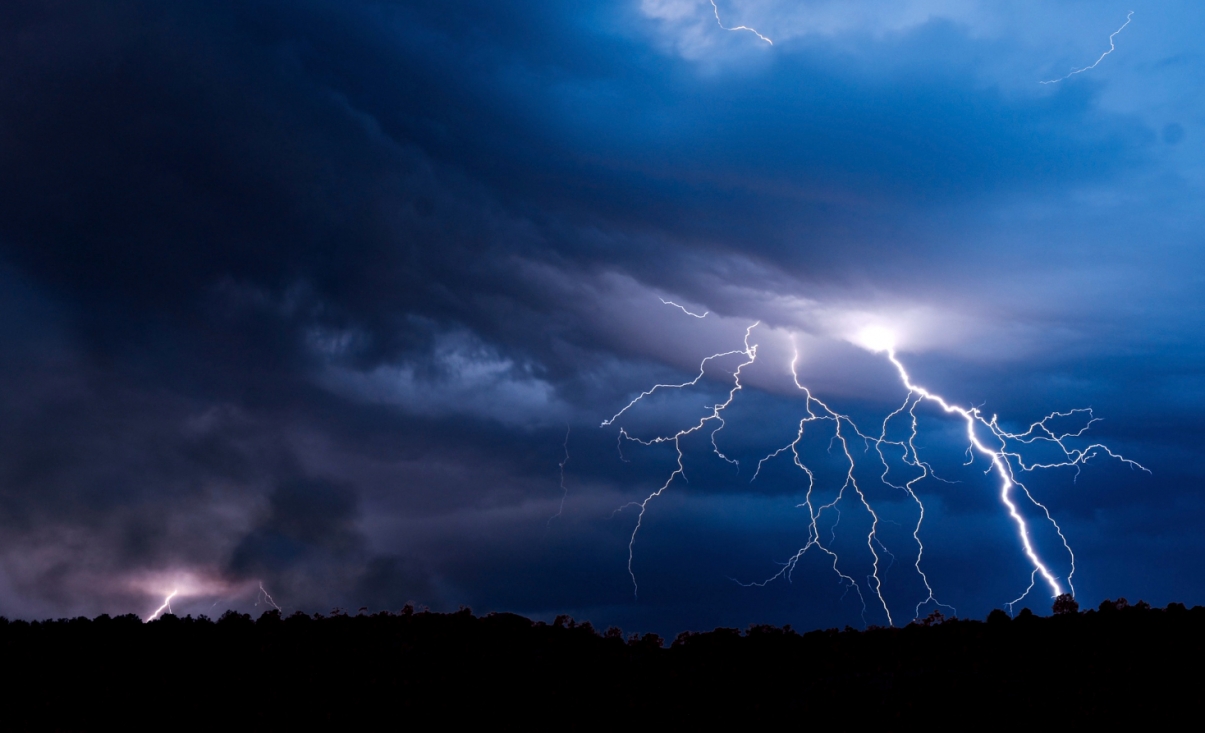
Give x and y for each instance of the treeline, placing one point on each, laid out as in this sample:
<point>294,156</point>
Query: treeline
<point>401,670</point>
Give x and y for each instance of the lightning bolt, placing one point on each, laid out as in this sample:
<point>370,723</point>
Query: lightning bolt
<point>985,438</point>
<point>167,604</point>
<point>1102,56</point>
<point>696,315</point>
<point>739,27</point>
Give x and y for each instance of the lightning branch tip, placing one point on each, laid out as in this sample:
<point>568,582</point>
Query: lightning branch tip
<point>1112,48</point>
<point>720,23</point>
<point>683,309</point>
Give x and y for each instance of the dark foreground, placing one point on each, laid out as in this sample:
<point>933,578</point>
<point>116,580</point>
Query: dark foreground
<point>413,670</point>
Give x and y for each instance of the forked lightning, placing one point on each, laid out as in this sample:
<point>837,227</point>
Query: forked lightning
<point>985,438</point>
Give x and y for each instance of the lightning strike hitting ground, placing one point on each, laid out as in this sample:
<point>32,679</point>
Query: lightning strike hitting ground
<point>696,315</point>
<point>737,28</point>
<point>1102,56</point>
<point>1001,449</point>
<point>167,604</point>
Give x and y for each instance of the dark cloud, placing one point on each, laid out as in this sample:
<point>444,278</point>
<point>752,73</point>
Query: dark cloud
<point>310,549</point>
<point>306,516</point>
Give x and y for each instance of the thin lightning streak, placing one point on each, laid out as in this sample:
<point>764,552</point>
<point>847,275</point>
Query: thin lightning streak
<point>564,489</point>
<point>1102,56</point>
<point>737,28</point>
<point>815,514</point>
<point>167,604</point>
<point>695,315</point>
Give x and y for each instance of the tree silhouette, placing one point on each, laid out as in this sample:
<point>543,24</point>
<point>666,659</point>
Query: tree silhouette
<point>343,671</point>
<point>1065,604</point>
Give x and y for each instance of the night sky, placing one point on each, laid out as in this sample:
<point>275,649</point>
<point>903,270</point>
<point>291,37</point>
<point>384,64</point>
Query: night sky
<point>330,298</point>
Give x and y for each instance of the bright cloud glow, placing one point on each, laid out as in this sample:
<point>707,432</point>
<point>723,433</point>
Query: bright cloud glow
<point>174,585</point>
<point>876,338</point>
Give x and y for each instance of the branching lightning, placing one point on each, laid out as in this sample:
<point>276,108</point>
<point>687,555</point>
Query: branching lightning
<point>750,354</point>
<point>736,28</point>
<point>985,439</point>
<point>1102,56</point>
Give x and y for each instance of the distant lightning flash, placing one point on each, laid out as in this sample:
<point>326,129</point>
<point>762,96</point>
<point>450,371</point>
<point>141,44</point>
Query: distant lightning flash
<point>1102,56</point>
<point>1000,447</point>
<point>737,28</point>
<point>564,489</point>
<point>167,604</point>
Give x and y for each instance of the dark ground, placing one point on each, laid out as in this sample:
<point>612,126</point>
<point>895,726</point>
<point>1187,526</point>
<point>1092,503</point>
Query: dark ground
<point>1119,663</point>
